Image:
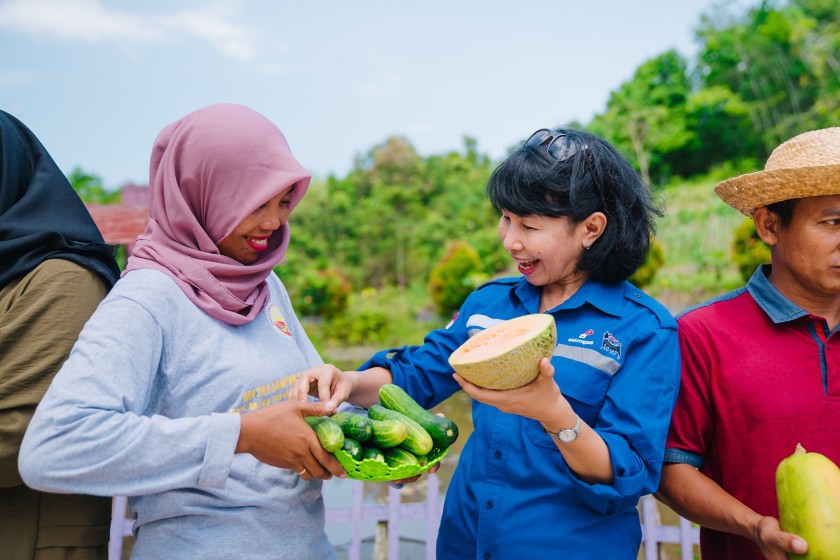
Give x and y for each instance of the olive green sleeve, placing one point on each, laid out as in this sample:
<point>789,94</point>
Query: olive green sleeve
<point>41,316</point>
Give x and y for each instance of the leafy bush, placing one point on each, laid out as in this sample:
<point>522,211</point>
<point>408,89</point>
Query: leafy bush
<point>375,319</point>
<point>354,329</point>
<point>645,274</point>
<point>457,274</point>
<point>321,293</point>
<point>748,250</point>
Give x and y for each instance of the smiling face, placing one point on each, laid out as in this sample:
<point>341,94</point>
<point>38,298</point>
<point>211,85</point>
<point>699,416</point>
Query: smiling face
<point>547,250</point>
<point>250,238</point>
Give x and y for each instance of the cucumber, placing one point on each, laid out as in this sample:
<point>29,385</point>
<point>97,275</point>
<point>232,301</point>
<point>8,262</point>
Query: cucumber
<point>353,448</point>
<point>373,453</point>
<point>355,426</point>
<point>399,457</point>
<point>417,439</point>
<point>444,431</point>
<point>328,431</point>
<point>388,433</point>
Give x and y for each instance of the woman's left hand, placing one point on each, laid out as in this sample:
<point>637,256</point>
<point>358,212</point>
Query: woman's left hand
<point>534,400</point>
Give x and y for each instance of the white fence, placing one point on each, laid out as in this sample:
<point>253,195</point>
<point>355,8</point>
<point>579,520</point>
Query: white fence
<point>653,534</point>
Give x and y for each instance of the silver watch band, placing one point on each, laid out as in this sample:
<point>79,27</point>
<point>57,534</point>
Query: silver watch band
<point>566,435</point>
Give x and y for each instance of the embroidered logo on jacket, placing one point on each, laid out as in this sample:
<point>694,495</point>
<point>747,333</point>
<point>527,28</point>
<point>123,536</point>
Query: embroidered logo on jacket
<point>580,339</point>
<point>275,317</point>
<point>611,344</point>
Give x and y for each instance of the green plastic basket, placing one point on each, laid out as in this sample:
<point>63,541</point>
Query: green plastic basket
<point>377,471</point>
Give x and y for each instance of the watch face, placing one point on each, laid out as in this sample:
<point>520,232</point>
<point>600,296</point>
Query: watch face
<point>567,436</point>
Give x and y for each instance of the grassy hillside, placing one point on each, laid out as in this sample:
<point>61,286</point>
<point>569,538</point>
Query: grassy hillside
<point>696,233</point>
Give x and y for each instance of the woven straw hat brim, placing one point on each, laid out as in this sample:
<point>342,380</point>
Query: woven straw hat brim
<point>754,190</point>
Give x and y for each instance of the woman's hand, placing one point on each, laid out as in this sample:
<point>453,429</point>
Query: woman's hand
<point>326,382</point>
<point>402,482</point>
<point>277,435</point>
<point>540,400</point>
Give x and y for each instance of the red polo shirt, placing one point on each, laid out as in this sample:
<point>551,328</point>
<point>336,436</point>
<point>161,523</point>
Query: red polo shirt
<point>759,375</point>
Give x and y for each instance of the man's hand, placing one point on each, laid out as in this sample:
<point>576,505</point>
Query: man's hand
<point>775,543</point>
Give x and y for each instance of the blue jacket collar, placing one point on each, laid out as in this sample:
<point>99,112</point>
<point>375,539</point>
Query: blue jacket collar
<point>607,298</point>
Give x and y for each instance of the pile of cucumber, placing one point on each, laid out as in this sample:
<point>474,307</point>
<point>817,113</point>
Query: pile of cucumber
<point>397,431</point>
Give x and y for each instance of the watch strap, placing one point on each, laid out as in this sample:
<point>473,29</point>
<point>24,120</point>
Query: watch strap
<point>566,435</point>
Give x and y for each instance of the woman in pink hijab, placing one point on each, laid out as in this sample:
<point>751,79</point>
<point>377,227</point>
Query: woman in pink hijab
<point>176,393</point>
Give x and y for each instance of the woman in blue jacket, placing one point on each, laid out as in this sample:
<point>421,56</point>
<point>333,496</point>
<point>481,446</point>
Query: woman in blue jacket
<point>556,468</point>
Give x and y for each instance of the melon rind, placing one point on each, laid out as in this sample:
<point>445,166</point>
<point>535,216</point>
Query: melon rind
<point>515,367</point>
<point>808,491</point>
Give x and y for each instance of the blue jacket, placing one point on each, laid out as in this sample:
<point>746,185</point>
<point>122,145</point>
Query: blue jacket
<point>512,496</point>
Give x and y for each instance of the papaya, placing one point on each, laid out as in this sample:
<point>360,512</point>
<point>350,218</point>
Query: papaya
<point>506,355</point>
<point>808,491</point>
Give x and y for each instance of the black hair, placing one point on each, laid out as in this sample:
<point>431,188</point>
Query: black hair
<point>594,178</point>
<point>784,210</point>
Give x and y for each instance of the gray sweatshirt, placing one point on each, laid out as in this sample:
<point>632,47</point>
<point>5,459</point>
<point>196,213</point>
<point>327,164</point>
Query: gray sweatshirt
<point>148,405</point>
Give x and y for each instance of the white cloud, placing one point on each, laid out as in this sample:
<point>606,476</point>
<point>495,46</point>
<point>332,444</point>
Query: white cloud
<point>90,21</point>
<point>75,20</point>
<point>231,40</point>
<point>277,69</point>
<point>14,77</point>
<point>385,85</point>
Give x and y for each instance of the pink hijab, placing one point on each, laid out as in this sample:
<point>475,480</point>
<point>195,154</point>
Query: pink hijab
<point>209,171</point>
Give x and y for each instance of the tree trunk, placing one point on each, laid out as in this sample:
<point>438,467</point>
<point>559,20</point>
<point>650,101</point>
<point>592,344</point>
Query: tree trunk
<point>380,543</point>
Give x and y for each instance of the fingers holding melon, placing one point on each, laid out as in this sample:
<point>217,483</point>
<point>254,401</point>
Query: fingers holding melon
<point>506,355</point>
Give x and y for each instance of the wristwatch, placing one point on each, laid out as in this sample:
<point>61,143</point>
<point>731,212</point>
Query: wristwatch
<point>566,435</point>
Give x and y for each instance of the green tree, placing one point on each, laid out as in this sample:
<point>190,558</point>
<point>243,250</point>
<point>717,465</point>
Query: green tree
<point>645,274</point>
<point>90,188</point>
<point>456,276</point>
<point>645,117</point>
<point>761,57</point>
<point>723,131</point>
<point>748,249</point>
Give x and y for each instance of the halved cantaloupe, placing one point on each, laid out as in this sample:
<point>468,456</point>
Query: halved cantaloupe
<point>506,355</point>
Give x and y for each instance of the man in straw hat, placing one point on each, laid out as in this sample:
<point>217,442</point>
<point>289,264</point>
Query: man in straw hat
<point>761,365</point>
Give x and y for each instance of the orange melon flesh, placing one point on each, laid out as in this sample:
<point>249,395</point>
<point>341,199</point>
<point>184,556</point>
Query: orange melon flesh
<point>506,355</point>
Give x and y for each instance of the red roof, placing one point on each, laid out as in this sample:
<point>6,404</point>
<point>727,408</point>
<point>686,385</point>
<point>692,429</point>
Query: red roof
<point>119,224</point>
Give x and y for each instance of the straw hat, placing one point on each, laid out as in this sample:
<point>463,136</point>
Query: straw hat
<point>806,165</point>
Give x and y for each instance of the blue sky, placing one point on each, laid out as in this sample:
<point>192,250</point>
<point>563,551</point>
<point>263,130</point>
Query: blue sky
<point>96,80</point>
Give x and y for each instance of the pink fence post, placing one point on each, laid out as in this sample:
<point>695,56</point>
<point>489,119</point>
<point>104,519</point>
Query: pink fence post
<point>118,505</point>
<point>355,551</point>
<point>393,522</point>
<point>649,536</point>
<point>687,539</point>
<point>432,515</point>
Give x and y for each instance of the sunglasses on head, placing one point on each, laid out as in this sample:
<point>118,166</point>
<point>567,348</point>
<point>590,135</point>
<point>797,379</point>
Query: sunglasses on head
<point>558,145</point>
<point>561,147</point>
